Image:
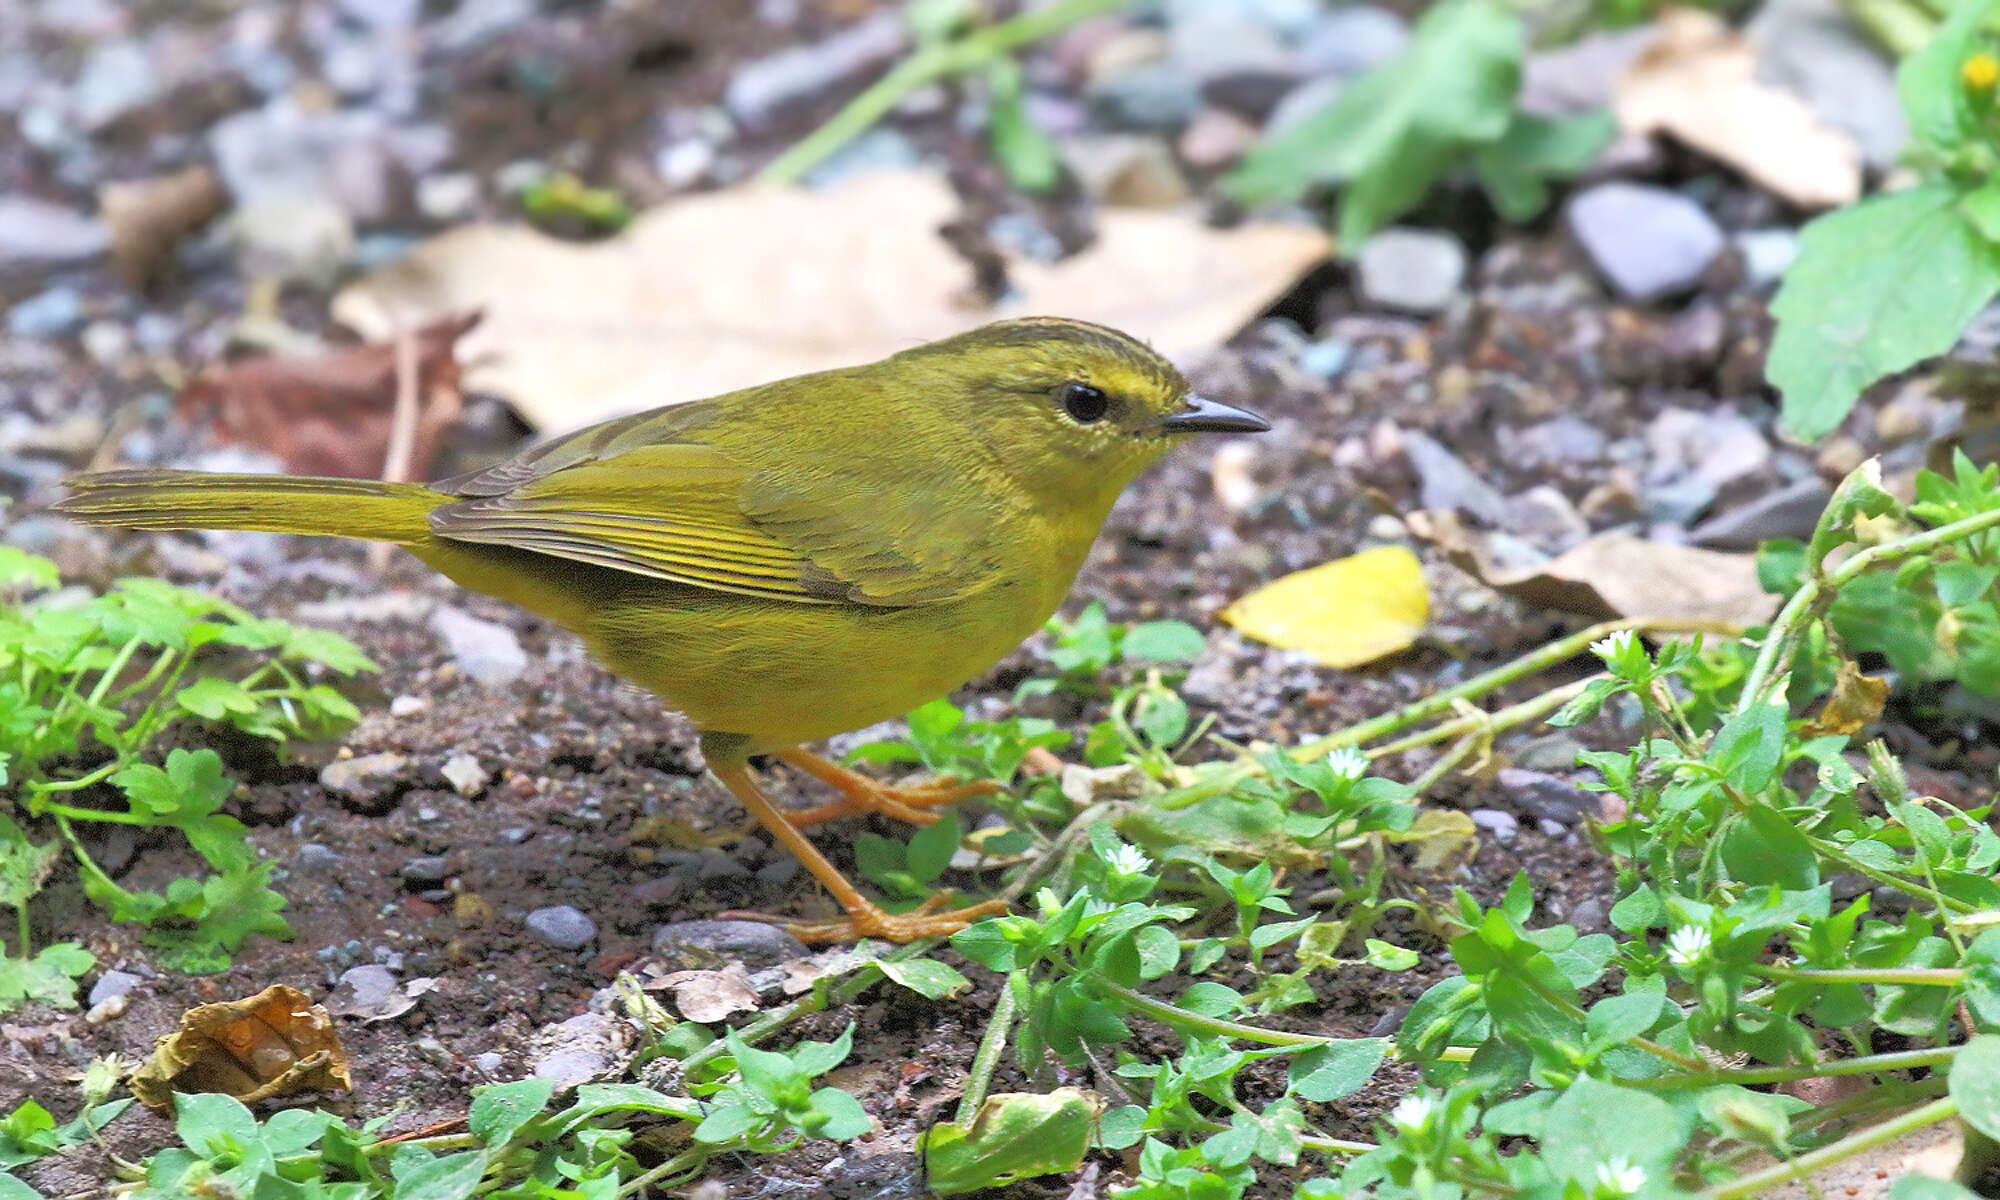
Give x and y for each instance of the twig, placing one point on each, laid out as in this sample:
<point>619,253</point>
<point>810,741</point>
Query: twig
<point>402,429</point>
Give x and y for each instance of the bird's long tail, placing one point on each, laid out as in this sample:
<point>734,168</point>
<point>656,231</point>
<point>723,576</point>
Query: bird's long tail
<point>159,499</point>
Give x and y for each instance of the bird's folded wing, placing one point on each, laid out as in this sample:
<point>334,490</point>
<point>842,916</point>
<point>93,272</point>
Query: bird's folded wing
<point>684,512</point>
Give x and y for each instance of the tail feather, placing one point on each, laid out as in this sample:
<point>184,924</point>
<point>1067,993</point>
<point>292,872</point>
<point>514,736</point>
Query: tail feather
<point>161,499</point>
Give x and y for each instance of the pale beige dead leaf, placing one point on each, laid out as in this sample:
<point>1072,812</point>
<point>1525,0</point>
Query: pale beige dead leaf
<point>1620,575</point>
<point>705,996</point>
<point>275,1043</point>
<point>1344,613</point>
<point>1697,83</point>
<point>714,292</point>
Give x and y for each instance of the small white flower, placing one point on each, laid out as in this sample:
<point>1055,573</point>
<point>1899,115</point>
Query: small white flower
<point>1412,1113</point>
<point>1612,648</point>
<point>1127,860</point>
<point>1348,763</point>
<point>1686,945</point>
<point>1620,1176</point>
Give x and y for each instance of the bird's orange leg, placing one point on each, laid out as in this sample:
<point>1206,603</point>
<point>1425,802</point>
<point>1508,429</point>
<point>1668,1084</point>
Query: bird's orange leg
<point>864,918</point>
<point>860,794</point>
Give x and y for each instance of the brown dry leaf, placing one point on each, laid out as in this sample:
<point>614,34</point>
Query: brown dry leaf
<point>1345,613</point>
<point>147,217</point>
<point>705,996</point>
<point>276,1043</point>
<point>331,413</point>
<point>1620,575</point>
<point>1855,704</point>
<point>1697,83</point>
<point>714,292</point>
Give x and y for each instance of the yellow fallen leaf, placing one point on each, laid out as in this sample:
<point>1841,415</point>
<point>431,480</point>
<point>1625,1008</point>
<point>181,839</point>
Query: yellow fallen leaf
<point>713,292</point>
<point>1697,83</point>
<point>275,1043</point>
<point>1347,612</point>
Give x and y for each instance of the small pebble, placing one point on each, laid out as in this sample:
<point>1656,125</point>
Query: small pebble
<point>562,926</point>
<point>1501,826</point>
<point>465,775</point>
<point>113,984</point>
<point>1412,270</point>
<point>312,856</point>
<point>408,706</point>
<point>753,942</point>
<point>489,1062</point>
<point>425,872</point>
<point>1647,242</point>
<point>487,652</point>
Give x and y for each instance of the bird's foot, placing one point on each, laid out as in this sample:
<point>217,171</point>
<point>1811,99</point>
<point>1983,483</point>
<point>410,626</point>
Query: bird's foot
<point>871,922</point>
<point>859,794</point>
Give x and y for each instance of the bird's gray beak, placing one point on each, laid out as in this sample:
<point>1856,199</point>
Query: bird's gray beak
<point>1209,416</point>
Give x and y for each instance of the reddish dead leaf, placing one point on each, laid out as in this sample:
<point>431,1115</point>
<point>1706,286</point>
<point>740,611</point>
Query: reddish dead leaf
<point>276,1043</point>
<point>332,413</point>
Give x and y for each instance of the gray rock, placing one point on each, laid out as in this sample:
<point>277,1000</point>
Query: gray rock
<point>1564,440</point>
<point>1213,41</point>
<point>1789,512</point>
<point>1352,39</point>
<point>448,198</point>
<point>1718,447</point>
<point>1129,170</point>
<point>1500,826</point>
<point>311,856</point>
<point>562,926</point>
<point>754,943</point>
<point>1679,501</point>
<point>1547,797</point>
<point>778,873</point>
<point>486,652</point>
<point>382,14</point>
<point>305,238</point>
<point>1446,482</point>
<point>880,149</point>
<point>1766,254</point>
<point>489,1062</point>
<point>1647,242</point>
<point>1812,49</point>
<point>117,78</point>
<point>464,774</point>
<point>1549,752</point>
<point>1546,518</point>
<point>113,983</point>
<point>36,235</point>
<point>349,157</point>
<point>1215,139</point>
<point>1303,102</point>
<point>1580,77</point>
<point>46,315</point>
<point>1326,358</point>
<point>426,871</point>
<point>1590,916</point>
<point>1148,96</point>
<point>365,779</point>
<point>761,89</point>
<point>712,864</point>
<point>1412,270</point>
<point>684,163</point>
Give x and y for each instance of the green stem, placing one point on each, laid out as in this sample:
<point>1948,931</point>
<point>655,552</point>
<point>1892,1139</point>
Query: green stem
<point>1188,1022</point>
<point>1822,587</point>
<point>1900,1060</point>
<point>1553,654</point>
<point>987,1057</point>
<point>1903,976</point>
<point>925,65</point>
<point>1805,1164</point>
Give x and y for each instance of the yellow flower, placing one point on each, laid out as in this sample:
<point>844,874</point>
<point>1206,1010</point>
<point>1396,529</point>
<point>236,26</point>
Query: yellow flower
<point>1980,72</point>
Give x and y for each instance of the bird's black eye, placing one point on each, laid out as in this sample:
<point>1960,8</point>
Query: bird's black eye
<point>1085,403</point>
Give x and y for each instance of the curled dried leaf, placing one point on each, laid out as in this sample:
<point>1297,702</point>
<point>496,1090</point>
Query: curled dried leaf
<point>332,413</point>
<point>276,1043</point>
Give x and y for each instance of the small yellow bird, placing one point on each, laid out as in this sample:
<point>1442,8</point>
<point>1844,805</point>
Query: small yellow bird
<point>785,562</point>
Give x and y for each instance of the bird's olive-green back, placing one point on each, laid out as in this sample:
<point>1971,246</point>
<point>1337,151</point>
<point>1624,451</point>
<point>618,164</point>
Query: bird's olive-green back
<point>924,477</point>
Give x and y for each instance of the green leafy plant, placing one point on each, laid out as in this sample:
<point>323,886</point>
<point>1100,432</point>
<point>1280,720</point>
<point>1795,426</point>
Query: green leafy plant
<point>1886,283</point>
<point>1448,100</point>
<point>88,689</point>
